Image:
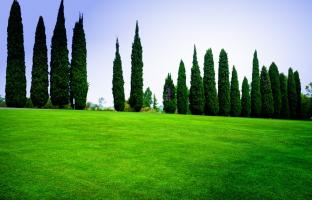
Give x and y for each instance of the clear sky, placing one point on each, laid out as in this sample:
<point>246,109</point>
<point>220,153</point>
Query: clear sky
<point>280,30</point>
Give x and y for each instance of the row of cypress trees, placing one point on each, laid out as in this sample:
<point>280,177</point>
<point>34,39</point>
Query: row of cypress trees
<point>136,92</point>
<point>68,81</point>
<point>271,95</point>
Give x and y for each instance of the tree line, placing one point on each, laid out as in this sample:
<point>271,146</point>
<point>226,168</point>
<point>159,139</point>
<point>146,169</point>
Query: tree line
<point>68,79</point>
<point>270,95</point>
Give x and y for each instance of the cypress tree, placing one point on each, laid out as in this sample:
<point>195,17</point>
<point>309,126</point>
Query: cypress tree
<point>196,96</point>
<point>182,98</point>
<point>39,94</point>
<point>211,99</point>
<point>235,95</point>
<point>78,69</point>
<point>298,91</point>
<point>266,94</point>
<point>15,87</point>
<point>245,99</point>
<point>136,92</point>
<point>224,85</point>
<point>118,82</point>
<point>292,94</point>
<point>284,97</point>
<point>276,89</point>
<point>255,88</point>
<point>147,99</point>
<point>59,87</point>
<point>169,98</point>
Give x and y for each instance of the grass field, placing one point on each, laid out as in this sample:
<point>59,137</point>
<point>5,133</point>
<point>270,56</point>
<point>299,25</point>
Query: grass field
<point>55,154</point>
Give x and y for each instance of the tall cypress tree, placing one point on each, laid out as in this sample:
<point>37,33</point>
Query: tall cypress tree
<point>245,99</point>
<point>224,85</point>
<point>40,81</point>
<point>235,95</point>
<point>266,94</point>
<point>196,96</point>
<point>15,87</point>
<point>169,97</point>
<point>118,82</point>
<point>276,89</point>
<point>182,98</point>
<point>298,91</point>
<point>292,94</point>
<point>59,87</point>
<point>136,93</point>
<point>78,69</point>
<point>211,99</point>
<point>284,97</point>
<point>255,88</point>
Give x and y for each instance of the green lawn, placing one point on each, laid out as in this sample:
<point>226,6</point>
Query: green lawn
<point>62,154</point>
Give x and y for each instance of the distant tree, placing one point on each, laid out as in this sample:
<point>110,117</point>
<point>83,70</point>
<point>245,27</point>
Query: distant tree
<point>292,94</point>
<point>235,95</point>
<point>39,93</point>
<point>298,91</point>
<point>169,98</point>
<point>182,97</point>
<point>309,94</point>
<point>245,99</point>
<point>15,87</point>
<point>284,97</point>
<point>266,94</point>
<point>155,103</point>
<point>276,89</point>
<point>59,75</point>
<point>211,98</point>
<point>78,69</point>
<point>136,92</point>
<point>308,89</point>
<point>196,96</point>
<point>147,98</point>
<point>101,104</point>
<point>224,85</point>
<point>118,82</point>
<point>255,88</point>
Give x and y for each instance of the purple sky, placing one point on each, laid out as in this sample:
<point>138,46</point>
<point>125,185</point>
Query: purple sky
<point>280,30</point>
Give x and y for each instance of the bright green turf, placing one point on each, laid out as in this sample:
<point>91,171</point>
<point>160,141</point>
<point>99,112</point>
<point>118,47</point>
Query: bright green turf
<point>49,154</point>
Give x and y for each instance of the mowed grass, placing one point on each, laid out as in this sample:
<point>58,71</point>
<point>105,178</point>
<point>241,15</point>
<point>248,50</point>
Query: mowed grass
<point>62,154</point>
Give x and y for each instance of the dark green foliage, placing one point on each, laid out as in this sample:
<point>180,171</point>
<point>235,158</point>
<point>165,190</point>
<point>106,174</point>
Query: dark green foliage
<point>211,99</point>
<point>155,103</point>
<point>78,69</point>
<point>136,92</point>
<point>284,97</point>
<point>235,95</point>
<point>147,98</point>
<point>224,85</point>
<point>118,82</point>
<point>15,87</point>
<point>182,98</point>
<point>39,93</point>
<point>169,96</point>
<point>59,87</point>
<point>196,96</point>
<point>298,91</point>
<point>292,94</point>
<point>266,94</point>
<point>276,89</point>
<point>245,99</point>
<point>255,88</point>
